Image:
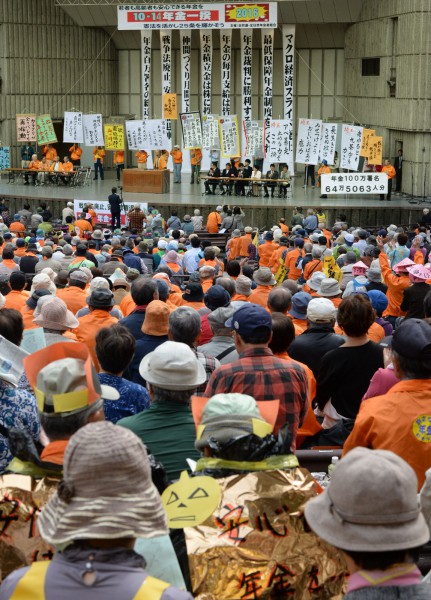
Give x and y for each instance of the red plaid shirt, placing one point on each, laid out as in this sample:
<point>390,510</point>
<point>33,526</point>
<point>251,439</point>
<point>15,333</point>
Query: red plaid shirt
<point>136,219</point>
<point>261,375</point>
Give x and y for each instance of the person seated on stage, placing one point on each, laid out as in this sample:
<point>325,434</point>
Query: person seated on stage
<point>66,170</point>
<point>214,174</point>
<point>44,168</point>
<point>271,174</point>
<point>246,174</point>
<point>56,169</point>
<point>239,185</point>
<point>163,160</point>
<point>142,157</point>
<point>285,183</point>
<point>34,167</point>
<point>229,172</point>
<point>75,155</point>
<point>256,174</point>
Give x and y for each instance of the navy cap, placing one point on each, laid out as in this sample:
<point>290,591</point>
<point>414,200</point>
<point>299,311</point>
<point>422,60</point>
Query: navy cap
<point>216,297</point>
<point>269,236</point>
<point>379,300</point>
<point>300,303</point>
<point>301,232</point>
<point>32,240</point>
<point>248,318</point>
<point>412,339</point>
<point>20,243</point>
<point>7,236</point>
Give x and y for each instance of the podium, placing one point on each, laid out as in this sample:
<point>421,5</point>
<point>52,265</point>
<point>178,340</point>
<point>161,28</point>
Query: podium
<point>146,181</point>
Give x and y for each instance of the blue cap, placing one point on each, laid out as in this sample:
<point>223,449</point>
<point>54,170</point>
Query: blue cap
<point>299,305</point>
<point>248,318</point>
<point>300,232</point>
<point>7,236</point>
<point>324,162</point>
<point>32,241</point>
<point>17,217</point>
<point>216,297</point>
<point>298,241</point>
<point>379,300</point>
<point>269,236</point>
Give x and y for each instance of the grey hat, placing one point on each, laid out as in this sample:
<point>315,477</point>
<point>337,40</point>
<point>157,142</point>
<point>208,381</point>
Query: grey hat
<point>390,518</point>
<point>97,234</point>
<point>101,298</point>
<point>264,276</point>
<point>374,275</point>
<point>236,233</point>
<point>67,250</point>
<point>78,275</point>
<point>219,316</point>
<point>243,285</point>
<point>329,287</point>
<point>315,280</point>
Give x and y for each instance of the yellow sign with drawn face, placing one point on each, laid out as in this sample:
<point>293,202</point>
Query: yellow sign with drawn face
<point>422,428</point>
<point>190,501</point>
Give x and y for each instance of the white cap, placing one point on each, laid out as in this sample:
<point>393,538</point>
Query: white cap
<point>321,310</point>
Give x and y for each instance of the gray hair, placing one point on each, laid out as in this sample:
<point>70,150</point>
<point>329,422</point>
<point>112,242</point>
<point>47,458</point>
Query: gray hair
<point>316,252</point>
<point>184,325</point>
<point>63,427</point>
<point>159,394</point>
<point>308,248</point>
<point>280,299</point>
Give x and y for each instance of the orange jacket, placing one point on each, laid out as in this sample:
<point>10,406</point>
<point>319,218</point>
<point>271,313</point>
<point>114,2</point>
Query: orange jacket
<point>177,155</point>
<point>127,305</point>
<point>53,164</point>
<point>206,284</point>
<point>323,170</point>
<point>265,252</point>
<point>34,165</point>
<point>312,267</point>
<point>67,167</point>
<point>213,222</point>
<point>195,156</point>
<point>389,170</point>
<point>163,162</point>
<point>73,297</point>
<point>88,328</point>
<point>396,286</point>
<point>274,261</point>
<point>284,228</point>
<point>83,225</point>
<point>16,300</point>
<point>260,295</point>
<point>195,305</point>
<point>142,156</point>
<point>75,152</point>
<point>27,318</point>
<point>119,157</point>
<point>290,261</point>
<point>99,154</point>
<point>233,246</point>
<point>49,153</point>
<point>18,228</point>
<point>399,421</point>
<point>375,332</point>
<point>245,243</point>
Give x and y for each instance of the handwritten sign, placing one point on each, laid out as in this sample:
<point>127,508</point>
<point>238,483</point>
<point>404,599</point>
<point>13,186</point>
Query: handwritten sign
<point>210,132</point>
<point>229,136</point>
<point>281,141</point>
<point>375,150</point>
<point>308,144</point>
<point>72,129</point>
<point>366,134</point>
<point>354,183</point>
<point>26,128</point>
<point>114,136</point>
<point>93,130</point>
<point>192,130</point>
<point>351,141</point>
<point>4,157</point>
<point>149,134</point>
<point>45,130</point>
<point>170,107</point>
<point>254,136</point>
<point>103,211</point>
<point>328,142</point>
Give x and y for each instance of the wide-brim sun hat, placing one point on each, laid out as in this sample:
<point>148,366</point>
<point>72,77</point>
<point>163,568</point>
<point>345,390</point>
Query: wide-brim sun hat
<point>315,280</point>
<point>55,315</point>
<point>328,288</point>
<point>264,276</point>
<point>390,519</point>
<point>104,495</point>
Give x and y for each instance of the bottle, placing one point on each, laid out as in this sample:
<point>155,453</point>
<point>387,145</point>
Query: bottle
<point>331,467</point>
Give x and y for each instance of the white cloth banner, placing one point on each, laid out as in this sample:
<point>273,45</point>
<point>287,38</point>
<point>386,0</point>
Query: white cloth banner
<point>166,58</point>
<point>281,142</point>
<point>72,128</point>
<point>267,69</point>
<point>148,134</point>
<point>328,142</point>
<point>146,72</point>
<point>351,140</point>
<point>135,135</point>
<point>226,61</point>
<point>308,143</point>
<point>93,130</point>
<point>254,135</point>
<point>186,55</point>
<point>210,132</point>
<point>206,45</point>
<point>354,183</point>
<point>192,130</point>
<point>229,136</point>
<point>103,210</point>
<point>246,65</point>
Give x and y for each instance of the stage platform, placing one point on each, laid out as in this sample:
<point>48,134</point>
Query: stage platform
<point>260,211</point>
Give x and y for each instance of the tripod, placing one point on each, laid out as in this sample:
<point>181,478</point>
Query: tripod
<point>122,205</point>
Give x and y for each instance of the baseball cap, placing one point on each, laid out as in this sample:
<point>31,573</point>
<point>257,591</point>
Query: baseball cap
<point>348,238</point>
<point>321,310</point>
<point>248,318</point>
<point>412,339</point>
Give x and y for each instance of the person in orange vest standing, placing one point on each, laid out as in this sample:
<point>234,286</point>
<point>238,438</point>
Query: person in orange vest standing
<point>119,162</point>
<point>142,157</point>
<point>99,156</point>
<point>163,160</point>
<point>177,157</point>
<point>390,172</point>
<point>75,155</point>
<point>323,169</point>
<point>195,160</point>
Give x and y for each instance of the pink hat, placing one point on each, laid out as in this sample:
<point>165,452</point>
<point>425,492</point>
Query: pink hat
<point>403,265</point>
<point>419,273</point>
<point>359,268</point>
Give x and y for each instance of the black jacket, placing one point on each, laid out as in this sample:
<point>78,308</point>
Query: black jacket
<point>114,203</point>
<point>413,300</point>
<point>311,346</point>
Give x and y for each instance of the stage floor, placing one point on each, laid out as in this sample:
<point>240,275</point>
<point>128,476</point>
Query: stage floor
<point>192,194</point>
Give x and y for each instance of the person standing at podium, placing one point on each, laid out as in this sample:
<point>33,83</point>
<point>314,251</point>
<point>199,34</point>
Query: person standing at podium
<point>177,157</point>
<point>114,201</point>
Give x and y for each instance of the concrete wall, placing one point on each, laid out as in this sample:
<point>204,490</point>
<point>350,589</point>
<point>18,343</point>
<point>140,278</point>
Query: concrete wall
<point>49,65</point>
<point>399,33</point>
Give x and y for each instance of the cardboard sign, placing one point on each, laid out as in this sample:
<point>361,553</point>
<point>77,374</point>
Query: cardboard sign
<point>375,150</point>
<point>114,136</point>
<point>26,128</point>
<point>366,135</point>
<point>170,107</point>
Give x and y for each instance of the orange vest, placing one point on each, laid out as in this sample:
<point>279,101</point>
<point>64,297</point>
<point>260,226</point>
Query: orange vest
<point>75,152</point>
<point>88,328</point>
<point>265,252</point>
<point>119,157</point>
<point>213,222</point>
<point>177,155</point>
<point>142,156</point>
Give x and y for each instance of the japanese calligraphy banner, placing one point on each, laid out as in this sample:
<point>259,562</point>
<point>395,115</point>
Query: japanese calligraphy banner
<point>135,134</point>
<point>197,16</point>
<point>210,132</point>
<point>170,107</point>
<point>375,150</point>
<point>26,128</point>
<point>308,142</point>
<point>354,183</point>
<point>328,142</point>
<point>229,136</point>
<point>206,47</point>
<point>45,130</point>
<point>192,130</point>
<point>267,67</point>
<point>253,131</point>
<point>166,64</point>
<point>246,65</point>
<point>156,134</point>
<point>114,136</point>
<point>4,157</point>
<point>145,72</point>
<point>103,211</point>
<point>366,134</point>
<point>280,142</point>
<point>351,140</point>
<point>245,548</point>
<point>226,61</point>
<point>288,33</point>
<point>93,130</point>
<point>186,56</point>
<point>72,128</point>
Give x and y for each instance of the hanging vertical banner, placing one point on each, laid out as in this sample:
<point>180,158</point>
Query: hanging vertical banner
<point>166,58</point>
<point>192,130</point>
<point>267,66</point>
<point>93,130</point>
<point>145,72</point>
<point>229,136</point>
<point>288,33</point>
<point>308,143</point>
<point>254,136</point>
<point>206,45</point>
<point>186,57</point>
<point>366,135</point>
<point>114,136</point>
<point>4,157</point>
<point>72,129</point>
<point>246,63</point>
<point>328,142</point>
<point>280,141</point>
<point>226,61</point>
<point>26,128</point>
<point>210,132</point>
<point>351,141</point>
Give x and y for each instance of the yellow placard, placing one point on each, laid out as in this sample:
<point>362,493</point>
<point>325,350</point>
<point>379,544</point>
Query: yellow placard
<point>331,269</point>
<point>170,106</point>
<point>114,136</point>
<point>375,156</point>
<point>367,133</point>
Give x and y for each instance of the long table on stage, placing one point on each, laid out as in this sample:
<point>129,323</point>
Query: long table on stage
<point>146,181</point>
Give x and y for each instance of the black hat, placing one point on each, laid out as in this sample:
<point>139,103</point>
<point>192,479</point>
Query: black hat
<point>101,298</point>
<point>193,292</point>
<point>412,339</point>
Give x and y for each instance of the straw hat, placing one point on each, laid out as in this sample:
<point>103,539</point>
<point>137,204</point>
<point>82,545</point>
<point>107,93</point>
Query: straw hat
<point>55,315</point>
<point>104,495</point>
